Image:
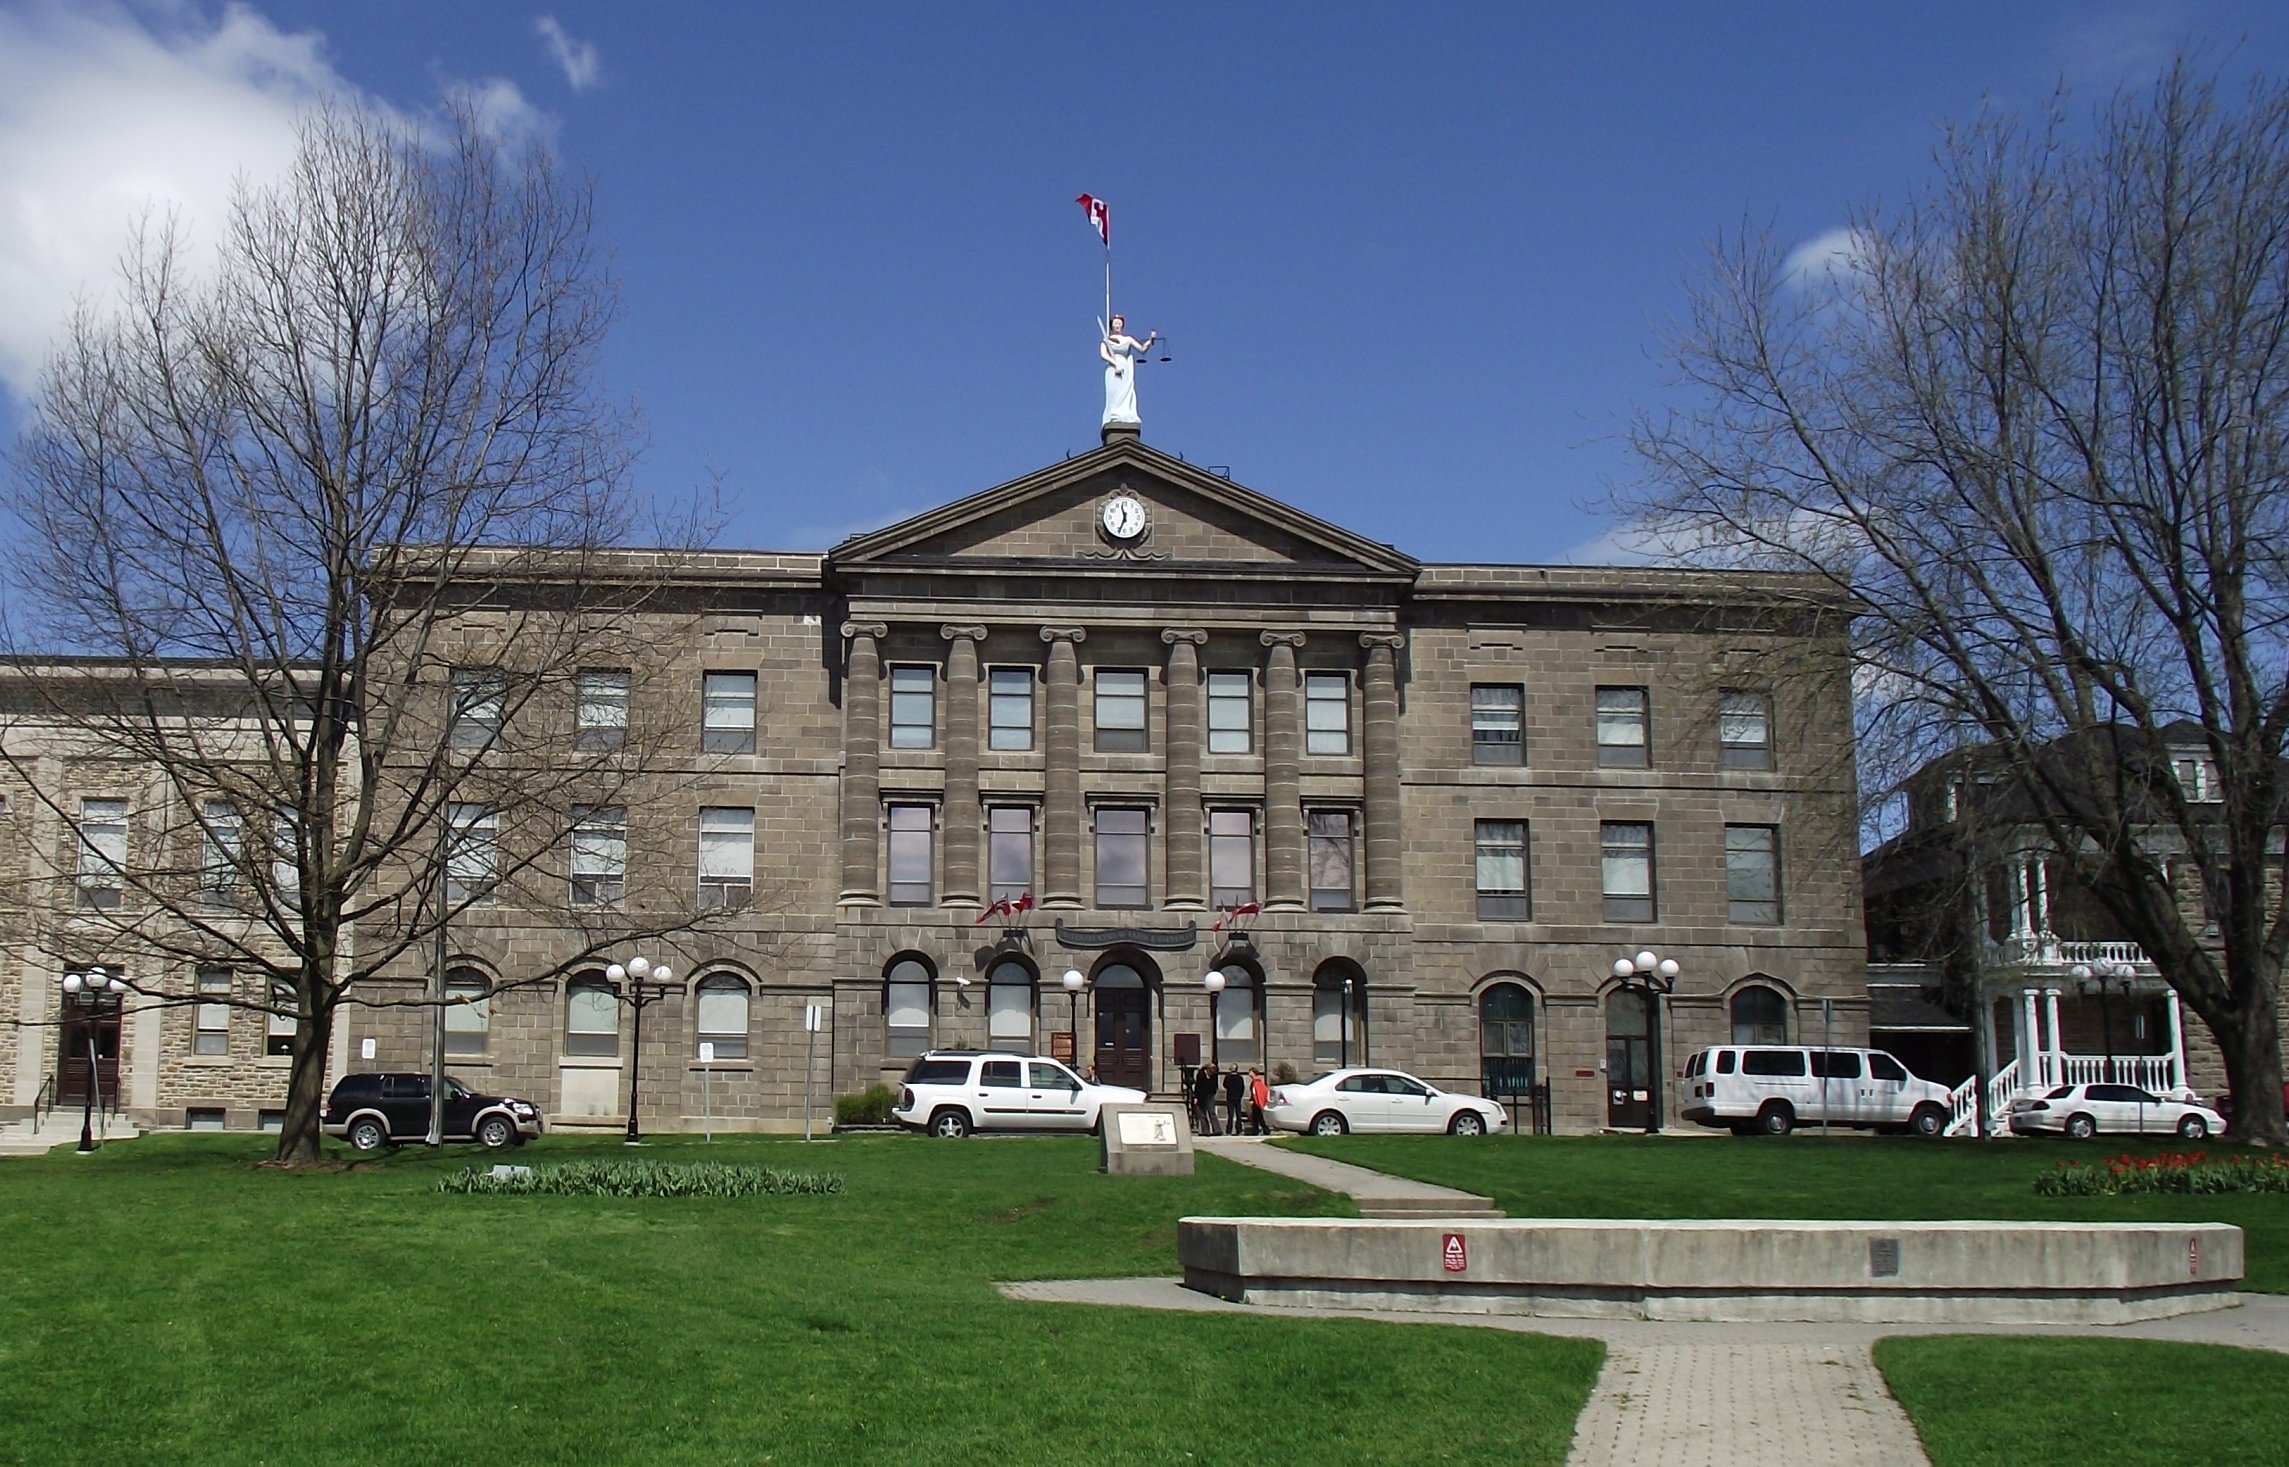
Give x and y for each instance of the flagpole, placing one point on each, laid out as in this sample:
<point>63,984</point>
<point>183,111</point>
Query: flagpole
<point>1108,282</point>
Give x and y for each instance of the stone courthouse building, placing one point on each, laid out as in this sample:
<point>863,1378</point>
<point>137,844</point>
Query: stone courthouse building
<point>1125,719</point>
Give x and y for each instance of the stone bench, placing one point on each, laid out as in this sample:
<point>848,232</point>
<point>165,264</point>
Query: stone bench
<point>1739,1271</point>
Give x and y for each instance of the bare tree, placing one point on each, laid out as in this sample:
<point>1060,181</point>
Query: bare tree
<point>329,524</point>
<point>2036,420</point>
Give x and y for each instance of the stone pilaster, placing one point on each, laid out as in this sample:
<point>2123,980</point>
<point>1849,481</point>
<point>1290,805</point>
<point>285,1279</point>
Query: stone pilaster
<point>1283,775</point>
<point>862,761</point>
<point>961,819</point>
<point>1187,884</point>
<point>1379,748</point>
<point>1061,774</point>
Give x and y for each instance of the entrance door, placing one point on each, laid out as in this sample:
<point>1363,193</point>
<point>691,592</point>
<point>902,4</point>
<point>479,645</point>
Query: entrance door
<point>1628,1062</point>
<point>82,1022</point>
<point>1124,1036</point>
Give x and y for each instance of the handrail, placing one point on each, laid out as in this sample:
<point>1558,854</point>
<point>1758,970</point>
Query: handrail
<point>43,1102</point>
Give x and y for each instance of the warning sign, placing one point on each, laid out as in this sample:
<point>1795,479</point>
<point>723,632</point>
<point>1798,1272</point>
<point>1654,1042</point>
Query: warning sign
<point>1456,1256</point>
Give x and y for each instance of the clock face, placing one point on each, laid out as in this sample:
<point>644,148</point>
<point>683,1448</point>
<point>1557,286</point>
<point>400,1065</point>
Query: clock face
<point>1124,517</point>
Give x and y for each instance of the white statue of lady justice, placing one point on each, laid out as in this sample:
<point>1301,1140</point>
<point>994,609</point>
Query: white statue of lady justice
<point>1122,352</point>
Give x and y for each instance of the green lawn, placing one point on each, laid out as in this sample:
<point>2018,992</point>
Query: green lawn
<point>165,1301</point>
<point>1802,1176</point>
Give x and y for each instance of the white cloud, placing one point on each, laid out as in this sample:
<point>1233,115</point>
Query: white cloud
<point>110,111</point>
<point>1829,262</point>
<point>583,68</point>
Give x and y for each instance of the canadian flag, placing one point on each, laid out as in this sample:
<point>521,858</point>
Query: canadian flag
<point>1234,913</point>
<point>1100,217</point>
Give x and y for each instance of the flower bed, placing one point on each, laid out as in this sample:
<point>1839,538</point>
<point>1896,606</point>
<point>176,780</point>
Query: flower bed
<point>642,1179</point>
<point>2185,1172</point>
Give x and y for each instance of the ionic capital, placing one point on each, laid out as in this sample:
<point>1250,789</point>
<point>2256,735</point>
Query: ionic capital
<point>1282,639</point>
<point>873,629</point>
<point>1174,635</point>
<point>1382,641</point>
<point>1064,634</point>
<point>953,633</point>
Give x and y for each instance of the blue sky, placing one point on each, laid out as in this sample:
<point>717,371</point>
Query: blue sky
<point>1413,262</point>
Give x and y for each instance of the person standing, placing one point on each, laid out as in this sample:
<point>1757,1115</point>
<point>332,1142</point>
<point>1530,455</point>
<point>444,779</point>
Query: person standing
<point>1259,1100</point>
<point>1204,1099</point>
<point>1235,1101</point>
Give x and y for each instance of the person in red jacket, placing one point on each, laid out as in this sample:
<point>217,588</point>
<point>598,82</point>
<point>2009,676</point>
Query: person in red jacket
<point>1259,1099</point>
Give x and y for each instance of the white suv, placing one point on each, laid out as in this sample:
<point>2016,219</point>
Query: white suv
<point>952,1092</point>
<point>1774,1088</point>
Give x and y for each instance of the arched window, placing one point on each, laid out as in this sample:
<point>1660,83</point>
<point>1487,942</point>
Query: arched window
<point>591,1016</point>
<point>1506,1040</point>
<point>1009,1005</point>
<point>1238,1029</point>
<point>1760,1016</point>
<point>1338,1007</point>
<point>468,1013</point>
<point>722,1005</point>
<point>906,1006</point>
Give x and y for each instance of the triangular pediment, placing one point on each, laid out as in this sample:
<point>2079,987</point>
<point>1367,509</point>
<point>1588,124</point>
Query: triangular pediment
<point>1193,518</point>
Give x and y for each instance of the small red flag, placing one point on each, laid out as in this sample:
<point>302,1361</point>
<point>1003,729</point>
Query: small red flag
<point>1024,904</point>
<point>1100,217</point>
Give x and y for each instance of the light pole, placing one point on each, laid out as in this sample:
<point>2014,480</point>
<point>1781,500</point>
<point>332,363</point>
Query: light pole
<point>1214,983</point>
<point>2105,971</point>
<point>93,989</point>
<point>1652,976</point>
<point>638,985</point>
<point>1071,983</point>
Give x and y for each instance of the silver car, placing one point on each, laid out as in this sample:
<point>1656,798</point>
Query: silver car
<point>2084,1111</point>
<point>1378,1100</point>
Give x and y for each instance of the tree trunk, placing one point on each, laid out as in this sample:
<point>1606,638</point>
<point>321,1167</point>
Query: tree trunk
<point>2252,1049</point>
<point>306,1089</point>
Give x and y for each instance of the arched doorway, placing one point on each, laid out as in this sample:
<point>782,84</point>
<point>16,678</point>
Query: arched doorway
<point>1506,1041</point>
<point>1123,1008</point>
<point>1628,1060</point>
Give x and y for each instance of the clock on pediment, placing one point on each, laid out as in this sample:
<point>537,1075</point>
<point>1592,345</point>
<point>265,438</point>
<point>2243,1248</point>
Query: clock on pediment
<point>1123,519</point>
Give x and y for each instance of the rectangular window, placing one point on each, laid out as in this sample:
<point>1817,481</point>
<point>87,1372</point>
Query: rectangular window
<point>1752,872</point>
<point>102,852</point>
<point>1326,713</point>
<point>203,1118</point>
<point>601,710</point>
<point>278,1032</point>
<point>210,1017</point>
<point>1624,738</point>
<point>913,707</point>
<point>1009,709</point>
<point>1627,848</point>
<point>591,1020</point>
<point>1772,1062</point>
<point>1497,723</point>
<point>1744,731</point>
<point>1231,712</point>
<point>599,855</point>
<point>477,697</point>
<point>1123,858</point>
<point>726,856</point>
<point>472,852</point>
<point>1502,888</point>
<point>723,1016</point>
<point>727,712</point>
<point>220,845</point>
<point>1009,852</point>
<point>1327,857</point>
<point>1120,712</point>
<point>1231,858</point>
<point>468,1015</point>
<point>906,1014</point>
<point>910,855</point>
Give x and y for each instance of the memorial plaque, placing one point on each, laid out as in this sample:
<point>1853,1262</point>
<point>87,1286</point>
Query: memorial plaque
<point>1061,1048</point>
<point>1187,1051</point>
<point>1144,1141</point>
<point>1884,1258</point>
<point>1147,1128</point>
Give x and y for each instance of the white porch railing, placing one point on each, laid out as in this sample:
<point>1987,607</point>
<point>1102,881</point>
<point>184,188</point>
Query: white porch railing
<point>1963,1110</point>
<point>2155,1072</point>
<point>2043,950</point>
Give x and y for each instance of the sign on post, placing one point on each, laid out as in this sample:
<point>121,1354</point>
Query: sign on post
<point>811,1021</point>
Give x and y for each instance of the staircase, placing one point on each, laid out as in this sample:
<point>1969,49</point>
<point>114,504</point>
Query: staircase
<point>1410,1208</point>
<point>39,1135</point>
<point>1963,1110</point>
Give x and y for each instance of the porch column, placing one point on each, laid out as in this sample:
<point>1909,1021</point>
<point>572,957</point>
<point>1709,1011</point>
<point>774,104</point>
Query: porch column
<point>1186,886</point>
<point>862,761</point>
<point>1283,775</point>
<point>2058,1050</point>
<point>2030,1041</point>
<point>2177,1038</point>
<point>1061,777</point>
<point>1379,749</point>
<point>961,812</point>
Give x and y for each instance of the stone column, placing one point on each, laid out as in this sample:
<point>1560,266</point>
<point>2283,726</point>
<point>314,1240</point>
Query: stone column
<point>2030,1041</point>
<point>862,761</point>
<point>2177,1039</point>
<point>1187,714</point>
<point>2055,1072</point>
<point>1283,775</point>
<point>1379,748</point>
<point>1061,776</point>
<point>960,817</point>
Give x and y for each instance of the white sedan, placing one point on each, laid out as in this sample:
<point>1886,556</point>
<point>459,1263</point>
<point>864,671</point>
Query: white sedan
<point>2083,1111</point>
<point>1378,1100</point>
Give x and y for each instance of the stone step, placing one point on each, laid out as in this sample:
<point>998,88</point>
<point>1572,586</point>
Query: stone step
<point>1428,1207</point>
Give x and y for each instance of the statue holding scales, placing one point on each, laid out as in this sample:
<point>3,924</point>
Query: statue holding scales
<point>1121,353</point>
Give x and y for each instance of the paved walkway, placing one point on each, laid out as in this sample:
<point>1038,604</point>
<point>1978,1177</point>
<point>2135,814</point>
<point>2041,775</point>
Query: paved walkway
<point>1379,1194</point>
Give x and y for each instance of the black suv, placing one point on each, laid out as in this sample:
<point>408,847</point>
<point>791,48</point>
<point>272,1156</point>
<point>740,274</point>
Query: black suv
<point>383,1107</point>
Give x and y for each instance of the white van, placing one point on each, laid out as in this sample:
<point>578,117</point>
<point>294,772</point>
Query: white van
<point>1774,1088</point>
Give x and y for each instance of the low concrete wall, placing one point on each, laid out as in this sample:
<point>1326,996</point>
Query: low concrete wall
<point>1872,1272</point>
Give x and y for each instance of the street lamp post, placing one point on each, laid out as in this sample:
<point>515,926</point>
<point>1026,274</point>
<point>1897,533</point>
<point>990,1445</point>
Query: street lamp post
<point>1214,983</point>
<point>1071,983</point>
<point>94,989</point>
<point>1653,976</point>
<point>2104,971</point>
<point>1343,1024</point>
<point>638,985</point>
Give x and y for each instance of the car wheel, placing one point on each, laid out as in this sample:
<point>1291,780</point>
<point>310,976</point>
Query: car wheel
<point>1329,1123</point>
<point>368,1134</point>
<point>950,1123</point>
<point>1467,1123</point>
<point>495,1132</point>
<point>1929,1121</point>
<point>1776,1119</point>
<point>2194,1128</point>
<point>2081,1128</point>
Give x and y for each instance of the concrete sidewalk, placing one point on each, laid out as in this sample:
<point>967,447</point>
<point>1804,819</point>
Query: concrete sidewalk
<point>1379,1194</point>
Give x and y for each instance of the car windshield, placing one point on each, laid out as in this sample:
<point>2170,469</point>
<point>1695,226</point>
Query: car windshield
<point>455,1089</point>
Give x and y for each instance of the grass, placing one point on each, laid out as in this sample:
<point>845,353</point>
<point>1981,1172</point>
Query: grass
<point>2000,1401</point>
<point>1803,1176</point>
<point>166,1301</point>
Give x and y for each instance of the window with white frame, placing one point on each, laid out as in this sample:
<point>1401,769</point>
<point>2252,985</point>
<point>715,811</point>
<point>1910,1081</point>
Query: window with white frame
<point>1231,712</point>
<point>726,856</point>
<point>1120,712</point>
<point>591,1017</point>
<point>1752,873</point>
<point>1625,739</point>
<point>1009,1005</point>
<point>2197,777</point>
<point>599,855</point>
<point>1009,852</point>
<point>601,710</point>
<point>913,707</point>
<point>1009,709</point>
<point>468,1012</point>
<point>220,845</point>
<point>210,1017</point>
<point>1231,858</point>
<point>906,1008</point>
<point>1503,893</point>
<point>1626,857</point>
<point>478,698</point>
<point>1326,713</point>
<point>1328,861</point>
<point>1497,724</point>
<point>727,712</point>
<point>278,1028</point>
<point>911,855</point>
<point>102,852</point>
<point>722,1003</point>
<point>472,852</point>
